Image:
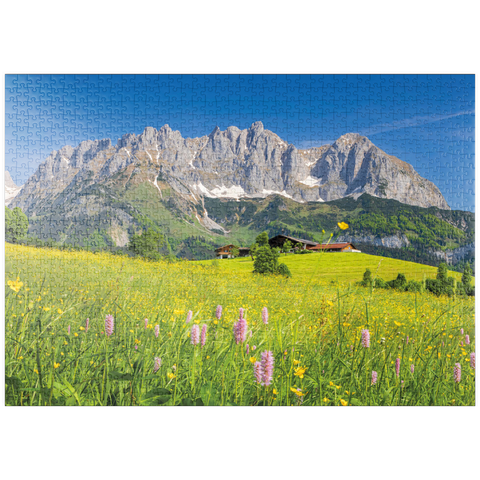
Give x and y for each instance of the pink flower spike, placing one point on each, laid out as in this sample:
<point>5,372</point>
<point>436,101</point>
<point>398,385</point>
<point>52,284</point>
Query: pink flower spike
<point>461,331</point>
<point>195,334</point>
<point>157,364</point>
<point>86,325</point>
<point>157,330</point>
<point>218,312</point>
<point>457,373</point>
<point>265,315</point>
<point>136,347</point>
<point>240,330</point>
<point>146,322</point>
<point>374,377</point>
<point>267,366</point>
<point>412,368</point>
<point>472,360</point>
<point>68,330</point>
<point>109,325</point>
<point>365,338</point>
<point>407,339</point>
<point>467,339</point>
<point>240,313</point>
<point>258,372</point>
<point>397,367</point>
<point>247,349</point>
<point>204,334</point>
<point>189,316</point>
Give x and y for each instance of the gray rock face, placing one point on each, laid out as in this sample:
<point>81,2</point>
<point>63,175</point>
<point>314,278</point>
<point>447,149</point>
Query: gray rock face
<point>391,241</point>
<point>11,190</point>
<point>233,164</point>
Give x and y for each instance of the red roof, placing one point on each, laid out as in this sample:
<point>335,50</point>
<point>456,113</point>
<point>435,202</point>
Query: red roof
<point>325,246</point>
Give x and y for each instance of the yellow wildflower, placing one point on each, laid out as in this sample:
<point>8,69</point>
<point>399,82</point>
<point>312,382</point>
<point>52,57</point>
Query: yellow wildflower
<point>275,391</point>
<point>296,362</point>
<point>297,391</point>
<point>170,375</point>
<point>15,285</point>
<point>343,402</point>
<point>326,399</point>
<point>55,365</point>
<point>342,225</point>
<point>60,311</point>
<point>299,371</point>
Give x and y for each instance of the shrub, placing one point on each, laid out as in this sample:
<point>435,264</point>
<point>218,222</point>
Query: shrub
<point>414,286</point>
<point>283,270</point>
<point>442,285</point>
<point>16,224</point>
<point>147,244</point>
<point>399,283</point>
<point>380,283</point>
<point>266,260</point>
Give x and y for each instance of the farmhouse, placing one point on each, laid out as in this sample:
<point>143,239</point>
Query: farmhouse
<point>279,240</point>
<point>334,247</point>
<point>226,251</point>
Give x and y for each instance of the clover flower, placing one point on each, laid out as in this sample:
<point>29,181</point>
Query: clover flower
<point>157,364</point>
<point>412,368</point>
<point>218,312</point>
<point>204,334</point>
<point>374,377</point>
<point>146,322</point>
<point>157,330</point>
<point>467,339</point>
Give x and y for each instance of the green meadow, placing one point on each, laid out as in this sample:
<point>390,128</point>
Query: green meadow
<point>322,340</point>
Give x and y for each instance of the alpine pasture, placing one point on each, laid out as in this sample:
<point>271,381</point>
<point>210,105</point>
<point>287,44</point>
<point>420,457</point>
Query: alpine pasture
<point>313,339</point>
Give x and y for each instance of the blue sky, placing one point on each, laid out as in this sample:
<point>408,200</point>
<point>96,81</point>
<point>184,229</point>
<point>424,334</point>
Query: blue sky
<point>426,120</point>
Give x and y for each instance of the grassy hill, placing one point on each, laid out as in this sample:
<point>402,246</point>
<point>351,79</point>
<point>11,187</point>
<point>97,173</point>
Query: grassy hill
<point>345,267</point>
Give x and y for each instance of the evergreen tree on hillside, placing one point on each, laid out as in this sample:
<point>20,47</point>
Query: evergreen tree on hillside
<point>147,244</point>
<point>262,239</point>
<point>16,224</point>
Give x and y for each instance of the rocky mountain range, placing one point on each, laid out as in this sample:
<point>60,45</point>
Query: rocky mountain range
<point>234,163</point>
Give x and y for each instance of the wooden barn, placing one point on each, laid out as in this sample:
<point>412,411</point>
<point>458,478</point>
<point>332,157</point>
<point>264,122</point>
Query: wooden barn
<point>279,240</point>
<point>335,247</point>
<point>226,251</point>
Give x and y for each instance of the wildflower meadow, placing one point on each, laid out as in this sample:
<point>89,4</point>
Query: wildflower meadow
<point>98,329</point>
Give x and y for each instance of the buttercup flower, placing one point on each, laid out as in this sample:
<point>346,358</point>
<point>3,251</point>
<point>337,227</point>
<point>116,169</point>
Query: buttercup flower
<point>15,285</point>
<point>342,225</point>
